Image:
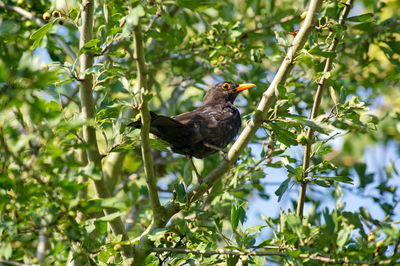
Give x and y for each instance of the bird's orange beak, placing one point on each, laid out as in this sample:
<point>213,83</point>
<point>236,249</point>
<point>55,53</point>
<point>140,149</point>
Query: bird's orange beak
<point>245,86</point>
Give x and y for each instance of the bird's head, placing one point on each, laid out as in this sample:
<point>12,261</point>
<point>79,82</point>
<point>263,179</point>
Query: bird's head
<point>225,91</point>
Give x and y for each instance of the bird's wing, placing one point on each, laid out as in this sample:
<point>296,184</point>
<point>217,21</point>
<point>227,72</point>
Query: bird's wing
<point>173,131</point>
<point>165,121</point>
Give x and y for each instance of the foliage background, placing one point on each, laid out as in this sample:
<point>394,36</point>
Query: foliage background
<point>49,208</point>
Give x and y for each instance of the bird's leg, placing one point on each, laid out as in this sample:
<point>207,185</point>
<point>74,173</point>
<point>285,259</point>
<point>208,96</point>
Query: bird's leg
<point>224,152</point>
<point>199,177</point>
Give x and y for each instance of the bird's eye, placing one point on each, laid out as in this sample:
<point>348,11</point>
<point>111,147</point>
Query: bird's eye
<point>226,86</point>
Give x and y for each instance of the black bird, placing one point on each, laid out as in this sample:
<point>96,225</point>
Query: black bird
<point>205,130</point>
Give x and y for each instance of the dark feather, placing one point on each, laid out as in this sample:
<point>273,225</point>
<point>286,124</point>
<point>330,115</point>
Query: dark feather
<point>214,124</point>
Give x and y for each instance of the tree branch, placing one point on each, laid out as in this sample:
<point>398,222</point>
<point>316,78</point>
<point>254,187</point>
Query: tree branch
<point>87,109</point>
<point>143,247</point>
<point>269,97</point>
<point>270,253</point>
<point>314,112</point>
<point>145,128</point>
<point>270,25</point>
<point>10,262</point>
<point>63,45</point>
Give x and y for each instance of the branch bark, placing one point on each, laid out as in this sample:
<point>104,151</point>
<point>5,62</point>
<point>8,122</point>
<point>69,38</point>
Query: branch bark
<point>145,128</point>
<point>87,109</point>
<point>314,112</point>
<point>144,246</point>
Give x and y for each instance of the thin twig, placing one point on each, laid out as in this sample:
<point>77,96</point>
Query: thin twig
<point>156,16</point>
<point>267,26</point>
<point>270,253</point>
<point>145,128</point>
<point>314,113</point>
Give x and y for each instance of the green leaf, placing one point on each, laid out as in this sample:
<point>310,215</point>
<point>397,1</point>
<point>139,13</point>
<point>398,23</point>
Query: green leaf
<point>343,236</point>
<point>113,203</point>
<point>126,146</point>
<point>38,35</point>
<point>329,221</point>
<point>234,217</point>
<point>332,92</point>
<point>5,250</point>
<point>238,214</point>
<point>90,46</point>
<point>160,145</point>
<point>104,255</point>
<point>114,31</point>
<point>361,18</point>
<point>282,188</point>
<point>342,95</point>
<point>314,126</point>
<point>353,218</point>
<point>135,14</point>
<point>187,173</point>
<point>323,183</point>
<point>343,179</point>
<point>318,52</point>
<point>180,193</point>
<point>110,217</point>
<point>232,260</point>
<point>283,135</point>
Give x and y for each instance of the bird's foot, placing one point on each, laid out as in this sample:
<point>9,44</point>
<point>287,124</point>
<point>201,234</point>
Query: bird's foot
<point>199,177</point>
<point>225,155</point>
<point>223,152</point>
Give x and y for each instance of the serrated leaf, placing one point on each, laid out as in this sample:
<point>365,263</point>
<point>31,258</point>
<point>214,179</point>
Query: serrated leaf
<point>38,35</point>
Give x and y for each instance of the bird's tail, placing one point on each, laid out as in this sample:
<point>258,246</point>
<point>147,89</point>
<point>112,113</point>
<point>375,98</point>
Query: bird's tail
<point>138,123</point>
<point>168,129</point>
<point>158,121</point>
